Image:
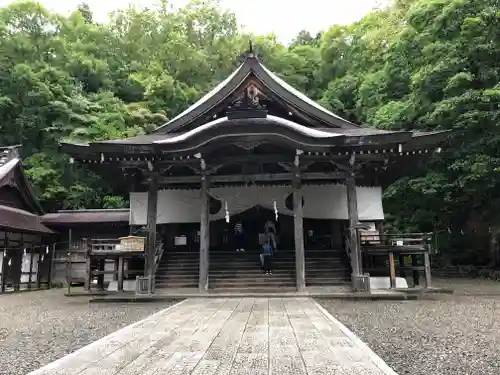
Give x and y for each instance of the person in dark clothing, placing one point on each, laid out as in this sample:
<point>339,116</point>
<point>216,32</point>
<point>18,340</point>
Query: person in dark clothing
<point>239,236</point>
<point>268,258</point>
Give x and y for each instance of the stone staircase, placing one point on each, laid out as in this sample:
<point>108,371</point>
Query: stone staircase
<point>327,268</point>
<point>178,269</point>
<point>240,271</point>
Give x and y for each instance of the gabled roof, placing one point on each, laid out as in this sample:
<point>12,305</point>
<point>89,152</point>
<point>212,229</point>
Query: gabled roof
<point>11,173</point>
<point>252,67</point>
<point>70,217</point>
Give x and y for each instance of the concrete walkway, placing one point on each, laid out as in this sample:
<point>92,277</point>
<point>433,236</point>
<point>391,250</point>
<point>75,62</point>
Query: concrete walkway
<point>228,336</point>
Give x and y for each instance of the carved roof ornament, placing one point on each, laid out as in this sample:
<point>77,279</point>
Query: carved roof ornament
<point>250,52</point>
<point>248,146</point>
<point>247,105</point>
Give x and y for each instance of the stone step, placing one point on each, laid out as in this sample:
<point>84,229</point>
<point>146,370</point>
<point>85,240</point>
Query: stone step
<point>252,284</point>
<point>269,289</point>
<point>326,281</point>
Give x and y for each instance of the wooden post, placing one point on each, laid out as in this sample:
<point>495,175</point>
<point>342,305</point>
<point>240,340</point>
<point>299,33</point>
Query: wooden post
<point>151,225</point>
<point>352,211</point>
<point>115,269</point>
<point>38,268</point>
<point>100,277</point>
<point>2,270</point>
<point>31,268</point>
<point>392,269</point>
<point>427,270</point>
<point>88,265</point>
<point>416,273</point>
<point>120,273</point>
<point>204,235</point>
<point>19,265</point>
<point>69,261</point>
<point>298,221</point>
<point>51,264</point>
<point>4,263</point>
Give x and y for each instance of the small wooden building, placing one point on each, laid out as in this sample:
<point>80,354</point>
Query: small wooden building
<point>81,227</point>
<point>255,141</point>
<point>25,255</point>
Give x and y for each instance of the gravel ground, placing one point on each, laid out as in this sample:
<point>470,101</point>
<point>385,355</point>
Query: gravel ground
<point>453,334</point>
<point>37,328</point>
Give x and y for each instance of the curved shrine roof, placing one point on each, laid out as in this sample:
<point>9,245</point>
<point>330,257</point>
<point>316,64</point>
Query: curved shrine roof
<point>220,114</point>
<point>252,67</point>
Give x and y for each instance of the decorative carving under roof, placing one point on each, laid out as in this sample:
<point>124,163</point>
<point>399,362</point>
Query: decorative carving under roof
<point>247,104</point>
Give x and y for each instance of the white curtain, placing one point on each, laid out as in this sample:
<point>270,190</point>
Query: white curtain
<point>320,202</point>
<point>26,266</point>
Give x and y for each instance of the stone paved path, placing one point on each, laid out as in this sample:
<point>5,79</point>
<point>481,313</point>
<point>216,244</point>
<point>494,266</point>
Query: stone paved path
<point>227,336</point>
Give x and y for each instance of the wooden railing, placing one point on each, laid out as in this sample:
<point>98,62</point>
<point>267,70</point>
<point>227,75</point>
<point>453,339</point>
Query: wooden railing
<point>395,240</point>
<point>407,247</point>
<point>111,248</point>
<point>158,255</point>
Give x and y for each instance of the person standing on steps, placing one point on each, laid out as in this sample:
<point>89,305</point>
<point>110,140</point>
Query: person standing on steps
<point>239,236</point>
<point>270,232</point>
<point>268,258</point>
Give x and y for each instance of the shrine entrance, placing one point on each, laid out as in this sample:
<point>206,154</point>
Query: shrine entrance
<point>253,221</point>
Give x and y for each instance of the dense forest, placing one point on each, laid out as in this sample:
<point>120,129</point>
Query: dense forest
<point>425,65</point>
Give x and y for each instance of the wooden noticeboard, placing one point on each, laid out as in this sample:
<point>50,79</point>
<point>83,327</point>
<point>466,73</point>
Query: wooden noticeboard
<point>132,243</point>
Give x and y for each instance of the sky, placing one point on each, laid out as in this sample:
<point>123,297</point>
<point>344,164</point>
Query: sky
<point>285,18</point>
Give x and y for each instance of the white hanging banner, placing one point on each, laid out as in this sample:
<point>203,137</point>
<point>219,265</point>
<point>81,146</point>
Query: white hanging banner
<point>320,202</point>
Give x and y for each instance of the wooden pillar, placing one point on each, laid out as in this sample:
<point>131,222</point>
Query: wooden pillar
<point>392,270</point>
<point>427,270</point>
<point>416,273</point>
<point>39,266</point>
<point>69,265</point>
<point>115,268</point>
<point>19,265</point>
<point>2,272</point>
<point>88,265</point>
<point>31,268</point>
<point>120,273</point>
<point>352,211</point>
<point>151,225</point>
<point>4,262</point>
<point>100,278</point>
<point>298,221</point>
<point>204,236</point>
<point>51,264</point>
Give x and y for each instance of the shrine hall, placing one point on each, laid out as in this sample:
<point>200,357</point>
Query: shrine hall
<point>251,151</point>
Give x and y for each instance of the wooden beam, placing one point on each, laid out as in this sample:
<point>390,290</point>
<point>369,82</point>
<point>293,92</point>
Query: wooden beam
<point>248,158</point>
<point>204,236</point>
<point>298,221</point>
<point>151,225</point>
<point>262,177</point>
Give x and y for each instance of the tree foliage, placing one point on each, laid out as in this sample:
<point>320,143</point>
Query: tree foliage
<point>417,64</point>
